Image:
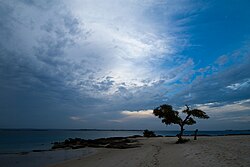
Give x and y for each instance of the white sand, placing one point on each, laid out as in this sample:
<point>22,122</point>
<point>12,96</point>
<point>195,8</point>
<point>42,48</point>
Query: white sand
<point>233,151</point>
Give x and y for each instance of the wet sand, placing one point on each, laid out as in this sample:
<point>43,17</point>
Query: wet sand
<point>41,159</point>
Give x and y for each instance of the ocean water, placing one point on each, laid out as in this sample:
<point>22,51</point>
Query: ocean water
<point>16,141</point>
<point>205,133</point>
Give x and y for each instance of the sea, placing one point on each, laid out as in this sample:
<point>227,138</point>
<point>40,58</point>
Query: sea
<point>28,140</point>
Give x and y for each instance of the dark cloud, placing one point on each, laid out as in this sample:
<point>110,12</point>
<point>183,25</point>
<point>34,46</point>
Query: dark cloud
<point>34,88</point>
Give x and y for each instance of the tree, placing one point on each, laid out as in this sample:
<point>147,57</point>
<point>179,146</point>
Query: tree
<point>170,116</point>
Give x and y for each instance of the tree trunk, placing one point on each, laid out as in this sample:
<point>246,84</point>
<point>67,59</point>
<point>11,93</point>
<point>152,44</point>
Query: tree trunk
<point>181,132</point>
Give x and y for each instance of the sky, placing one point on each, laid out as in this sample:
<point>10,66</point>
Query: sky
<point>108,64</point>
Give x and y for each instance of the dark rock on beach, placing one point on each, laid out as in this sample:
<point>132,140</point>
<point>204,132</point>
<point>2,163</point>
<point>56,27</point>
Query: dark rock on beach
<point>112,142</point>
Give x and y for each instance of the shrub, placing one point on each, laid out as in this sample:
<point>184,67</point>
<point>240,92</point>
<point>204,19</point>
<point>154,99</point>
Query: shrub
<point>148,133</point>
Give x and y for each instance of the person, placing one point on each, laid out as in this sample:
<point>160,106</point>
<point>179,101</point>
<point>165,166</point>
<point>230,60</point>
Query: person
<point>195,134</point>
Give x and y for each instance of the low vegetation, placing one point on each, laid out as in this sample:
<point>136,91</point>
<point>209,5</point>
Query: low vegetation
<point>147,133</point>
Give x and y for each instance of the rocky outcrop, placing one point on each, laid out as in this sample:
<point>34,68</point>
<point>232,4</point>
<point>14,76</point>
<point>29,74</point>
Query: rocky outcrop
<point>112,142</point>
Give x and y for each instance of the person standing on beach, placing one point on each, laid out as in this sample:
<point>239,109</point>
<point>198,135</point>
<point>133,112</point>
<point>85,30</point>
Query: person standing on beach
<point>195,134</point>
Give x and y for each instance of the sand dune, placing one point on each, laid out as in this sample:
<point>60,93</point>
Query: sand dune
<point>162,152</point>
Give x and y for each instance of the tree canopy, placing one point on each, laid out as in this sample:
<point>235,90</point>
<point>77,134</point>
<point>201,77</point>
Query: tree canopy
<point>170,116</point>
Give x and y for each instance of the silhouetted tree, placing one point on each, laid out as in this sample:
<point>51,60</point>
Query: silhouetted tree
<point>170,116</point>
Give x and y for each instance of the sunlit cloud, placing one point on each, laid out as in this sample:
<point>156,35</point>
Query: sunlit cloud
<point>138,114</point>
<point>127,116</point>
<point>97,47</point>
<point>219,108</point>
<point>123,44</point>
<point>76,118</point>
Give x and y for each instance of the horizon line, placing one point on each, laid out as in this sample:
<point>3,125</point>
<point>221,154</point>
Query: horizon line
<point>97,129</point>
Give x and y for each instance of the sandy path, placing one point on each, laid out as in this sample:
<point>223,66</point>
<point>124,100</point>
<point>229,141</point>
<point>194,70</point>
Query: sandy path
<point>162,152</point>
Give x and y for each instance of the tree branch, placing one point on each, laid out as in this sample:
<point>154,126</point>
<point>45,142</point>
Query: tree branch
<point>187,117</point>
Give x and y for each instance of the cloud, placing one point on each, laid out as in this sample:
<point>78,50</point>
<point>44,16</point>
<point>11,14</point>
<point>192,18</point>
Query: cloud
<point>83,48</point>
<point>76,118</point>
<point>128,116</point>
<point>83,57</point>
<point>138,114</point>
<point>220,108</point>
<point>79,59</point>
<point>96,52</point>
<point>241,85</point>
<point>240,119</point>
<point>123,44</point>
<point>222,60</point>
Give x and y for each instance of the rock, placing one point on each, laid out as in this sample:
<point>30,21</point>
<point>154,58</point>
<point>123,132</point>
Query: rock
<point>112,142</point>
<point>135,136</point>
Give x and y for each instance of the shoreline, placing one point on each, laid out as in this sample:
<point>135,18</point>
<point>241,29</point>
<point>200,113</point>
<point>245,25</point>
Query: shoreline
<point>24,141</point>
<point>156,151</point>
<point>44,158</point>
<point>128,137</point>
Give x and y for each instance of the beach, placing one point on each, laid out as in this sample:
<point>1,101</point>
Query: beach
<point>207,151</point>
<point>161,152</point>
